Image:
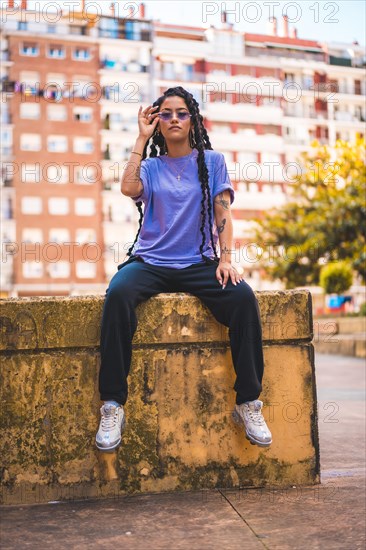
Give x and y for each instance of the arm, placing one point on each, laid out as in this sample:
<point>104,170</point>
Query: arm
<point>131,185</point>
<point>224,224</point>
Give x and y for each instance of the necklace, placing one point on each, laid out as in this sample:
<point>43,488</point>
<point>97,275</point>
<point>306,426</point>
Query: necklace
<point>178,174</point>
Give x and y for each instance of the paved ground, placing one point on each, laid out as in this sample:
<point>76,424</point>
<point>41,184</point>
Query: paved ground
<point>328,516</point>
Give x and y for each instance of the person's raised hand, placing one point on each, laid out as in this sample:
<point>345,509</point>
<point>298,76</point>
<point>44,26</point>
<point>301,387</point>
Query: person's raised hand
<point>147,121</point>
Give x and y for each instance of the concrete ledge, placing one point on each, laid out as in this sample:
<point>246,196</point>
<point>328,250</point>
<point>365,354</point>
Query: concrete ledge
<point>179,433</point>
<point>341,336</point>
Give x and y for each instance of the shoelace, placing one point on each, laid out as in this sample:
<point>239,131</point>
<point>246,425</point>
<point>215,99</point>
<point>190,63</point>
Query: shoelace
<point>256,416</point>
<point>109,419</point>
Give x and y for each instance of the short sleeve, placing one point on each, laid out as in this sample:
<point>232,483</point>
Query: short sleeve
<point>222,180</point>
<point>145,178</point>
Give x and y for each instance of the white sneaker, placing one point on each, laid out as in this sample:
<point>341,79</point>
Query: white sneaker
<point>111,425</point>
<point>250,416</point>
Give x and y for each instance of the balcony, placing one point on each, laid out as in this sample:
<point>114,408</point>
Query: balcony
<point>117,65</point>
<point>119,125</point>
<point>123,34</point>
<point>259,200</point>
<point>117,94</point>
<point>241,112</point>
<point>283,52</point>
<point>6,181</point>
<point>246,142</point>
<point>293,140</point>
<point>181,77</point>
<point>4,55</point>
<point>5,118</point>
<point>6,153</point>
<point>340,61</point>
<point>320,115</point>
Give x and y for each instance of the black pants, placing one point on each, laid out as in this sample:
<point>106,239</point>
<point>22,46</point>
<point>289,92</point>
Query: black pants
<point>235,307</point>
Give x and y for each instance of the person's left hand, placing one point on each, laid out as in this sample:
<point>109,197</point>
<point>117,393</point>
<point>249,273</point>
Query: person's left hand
<point>224,271</point>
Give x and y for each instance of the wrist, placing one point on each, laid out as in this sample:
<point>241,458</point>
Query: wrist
<point>141,140</point>
<point>225,259</point>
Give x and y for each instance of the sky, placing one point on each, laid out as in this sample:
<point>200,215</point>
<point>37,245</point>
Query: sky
<point>328,21</point>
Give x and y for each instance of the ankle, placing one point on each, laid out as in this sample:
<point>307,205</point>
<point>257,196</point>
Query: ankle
<point>112,402</point>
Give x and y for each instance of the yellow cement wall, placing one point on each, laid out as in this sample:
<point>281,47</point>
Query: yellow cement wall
<point>179,433</point>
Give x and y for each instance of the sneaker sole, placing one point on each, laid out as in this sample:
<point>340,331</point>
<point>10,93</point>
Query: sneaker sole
<point>238,420</point>
<point>116,445</point>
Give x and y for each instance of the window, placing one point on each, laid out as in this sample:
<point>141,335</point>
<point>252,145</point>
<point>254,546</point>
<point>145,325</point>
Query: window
<point>221,128</point>
<point>84,207</point>
<point>56,51</point>
<point>30,111</point>
<point>32,270</point>
<point>85,235</point>
<point>83,87</point>
<point>59,235</point>
<point>56,173</point>
<point>83,145</point>
<point>57,144</point>
<point>60,269</point>
<point>85,175</point>
<point>29,48</point>
<point>58,79</point>
<point>168,70</point>
<point>31,173</point>
<point>31,205</point>
<point>86,270</point>
<point>6,138</point>
<point>32,235</point>
<point>29,78</point>
<point>30,142</point>
<point>57,113</point>
<point>271,157</point>
<point>228,156</point>
<point>58,206</point>
<point>187,72</point>
<point>83,114</point>
<point>81,54</point>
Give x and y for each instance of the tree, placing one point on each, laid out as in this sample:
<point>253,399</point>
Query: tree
<point>336,278</point>
<point>323,220</point>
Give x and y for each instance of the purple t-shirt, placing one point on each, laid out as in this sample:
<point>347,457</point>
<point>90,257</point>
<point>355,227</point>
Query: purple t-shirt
<point>170,234</point>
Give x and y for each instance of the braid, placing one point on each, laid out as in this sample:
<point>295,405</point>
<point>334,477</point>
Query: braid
<point>138,204</point>
<point>202,142</point>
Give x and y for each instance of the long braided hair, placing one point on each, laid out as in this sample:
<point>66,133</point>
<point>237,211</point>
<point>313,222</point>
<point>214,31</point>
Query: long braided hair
<point>201,141</point>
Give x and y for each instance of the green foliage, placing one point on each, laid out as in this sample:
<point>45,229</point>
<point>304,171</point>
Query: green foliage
<point>336,278</point>
<point>323,219</point>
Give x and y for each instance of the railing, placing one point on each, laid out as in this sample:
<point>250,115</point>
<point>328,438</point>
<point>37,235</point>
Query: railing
<point>144,36</point>
<point>181,77</point>
<point>302,114</point>
<point>341,61</point>
<point>116,65</point>
<point>5,118</point>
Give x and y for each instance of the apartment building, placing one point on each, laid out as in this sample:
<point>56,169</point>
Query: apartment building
<point>69,94</point>
<point>263,99</point>
<point>51,87</point>
<point>125,80</point>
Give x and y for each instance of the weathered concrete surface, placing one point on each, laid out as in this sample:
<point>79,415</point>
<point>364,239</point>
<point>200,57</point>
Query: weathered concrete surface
<point>179,433</point>
<point>330,515</point>
<point>341,336</point>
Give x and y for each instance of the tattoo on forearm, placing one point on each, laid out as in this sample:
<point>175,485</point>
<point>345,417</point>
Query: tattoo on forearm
<point>221,227</point>
<point>226,250</point>
<point>221,201</point>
